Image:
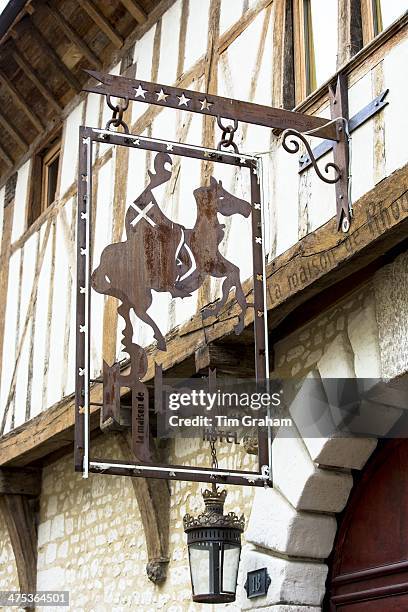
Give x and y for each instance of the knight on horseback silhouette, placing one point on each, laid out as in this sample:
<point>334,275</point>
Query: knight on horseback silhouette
<point>159,254</point>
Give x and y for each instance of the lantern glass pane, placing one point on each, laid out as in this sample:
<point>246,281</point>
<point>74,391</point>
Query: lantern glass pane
<point>230,568</point>
<point>200,560</point>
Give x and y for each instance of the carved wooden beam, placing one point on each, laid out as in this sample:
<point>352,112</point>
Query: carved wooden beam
<point>73,36</point>
<point>101,21</point>
<point>32,75</point>
<point>18,490</point>
<point>153,499</point>
<point>29,27</point>
<point>135,10</point>
<point>19,101</point>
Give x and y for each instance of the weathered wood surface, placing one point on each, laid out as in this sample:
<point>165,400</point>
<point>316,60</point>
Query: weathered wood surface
<point>153,500</point>
<point>315,263</point>
<point>26,481</point>
<point>19,517</point>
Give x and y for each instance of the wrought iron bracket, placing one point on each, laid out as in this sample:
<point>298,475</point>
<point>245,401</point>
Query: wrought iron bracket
<point>336,130</point>
<point>338,96</point>
<point>341,153</point>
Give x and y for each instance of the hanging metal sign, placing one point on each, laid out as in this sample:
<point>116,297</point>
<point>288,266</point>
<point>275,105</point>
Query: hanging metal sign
<point>162,256</point>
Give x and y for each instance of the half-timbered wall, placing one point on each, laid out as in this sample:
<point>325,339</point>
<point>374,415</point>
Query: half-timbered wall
<point>235,57</point>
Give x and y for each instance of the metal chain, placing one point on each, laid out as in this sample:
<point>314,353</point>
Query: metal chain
<point>117,114</point>
<point>214,459</point>
<point>227,138</point>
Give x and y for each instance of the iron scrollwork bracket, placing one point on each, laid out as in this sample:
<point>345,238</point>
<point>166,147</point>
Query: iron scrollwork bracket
<point>339,115</point>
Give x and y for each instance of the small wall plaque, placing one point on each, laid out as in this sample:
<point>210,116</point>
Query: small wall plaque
<point>257,583</point>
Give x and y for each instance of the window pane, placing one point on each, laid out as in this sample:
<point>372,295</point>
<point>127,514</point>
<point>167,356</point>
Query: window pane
<point>391,10</point>
<point>200,566</point>
<point>324,32</point>
<point>52,180</point>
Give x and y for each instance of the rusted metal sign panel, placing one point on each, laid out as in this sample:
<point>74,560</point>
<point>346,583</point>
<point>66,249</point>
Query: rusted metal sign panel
<point>160,255</point>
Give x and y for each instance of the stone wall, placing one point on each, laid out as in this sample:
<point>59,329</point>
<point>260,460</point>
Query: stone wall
<point>292,527</point>
<point>91,541</point>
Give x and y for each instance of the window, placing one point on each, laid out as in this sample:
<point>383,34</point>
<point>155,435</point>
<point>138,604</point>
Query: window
<point>44,179</point>
<point>315,27</point>
<point>379,14</point>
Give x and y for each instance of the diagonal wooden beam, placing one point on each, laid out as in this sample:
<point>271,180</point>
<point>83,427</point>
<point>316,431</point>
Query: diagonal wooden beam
<point>29,27</point>
<point>153,500</point>
<point>101,21</point>
<point>32,75</point>
<point>135,10</point>
<point>20,520</point>
<point>7,125</point>
<point>4,155</point>
<point>18,99</point>
<point>73,36</point>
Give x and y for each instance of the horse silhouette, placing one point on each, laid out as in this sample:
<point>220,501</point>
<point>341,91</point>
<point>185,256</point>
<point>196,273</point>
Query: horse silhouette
<point>164,256</point>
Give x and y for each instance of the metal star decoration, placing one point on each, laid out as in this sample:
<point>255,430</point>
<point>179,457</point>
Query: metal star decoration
<point>140,92</point>
<point>205,105</point>
<point>161,96</point>
<point>183,100</point>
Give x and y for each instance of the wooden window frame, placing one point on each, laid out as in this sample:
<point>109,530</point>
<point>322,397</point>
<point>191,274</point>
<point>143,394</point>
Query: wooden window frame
<point>39,180</point>
<point>47,160</point>
<point>372,19</point>
<point>349,41</point>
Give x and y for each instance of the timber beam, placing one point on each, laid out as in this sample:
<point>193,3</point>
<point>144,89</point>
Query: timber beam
<point>28,26</point>
<point>8,125</point>
<point>73,36</point>
<point>19,491</point>
<point>20,481</point>
<point>19,101</point>
<point>226,359</point>
<point>33,76</point>
<point>320,260</point>
<point>153,500</point>
<point>103,24</point>
<point>133,7</point>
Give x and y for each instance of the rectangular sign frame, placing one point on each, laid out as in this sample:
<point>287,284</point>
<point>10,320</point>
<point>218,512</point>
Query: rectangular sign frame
<point>83,461</point>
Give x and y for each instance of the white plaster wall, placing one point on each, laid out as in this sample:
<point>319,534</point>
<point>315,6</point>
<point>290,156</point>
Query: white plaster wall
<point>69,162</point>
<point>10,336</point>
<point>197,31</point>
<point>20,201</point>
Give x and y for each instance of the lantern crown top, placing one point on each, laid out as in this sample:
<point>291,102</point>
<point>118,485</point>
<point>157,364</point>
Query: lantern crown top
<point>214,516</point>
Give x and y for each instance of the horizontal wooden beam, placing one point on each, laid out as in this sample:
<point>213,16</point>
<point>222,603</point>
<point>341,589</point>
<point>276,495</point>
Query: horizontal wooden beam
<point>135,10</point>
<point>225,359</point>
<point>33,76</point>
<point>19,101</point>
<point>207,104</point>
<point>28,26</point>
<point>20,481</point>
<point>70,33</point>
<point>101,21</point>
<point>316,263</point>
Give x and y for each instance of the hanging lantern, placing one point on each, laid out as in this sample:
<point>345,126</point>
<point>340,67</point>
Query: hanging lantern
<point>214,549</point>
